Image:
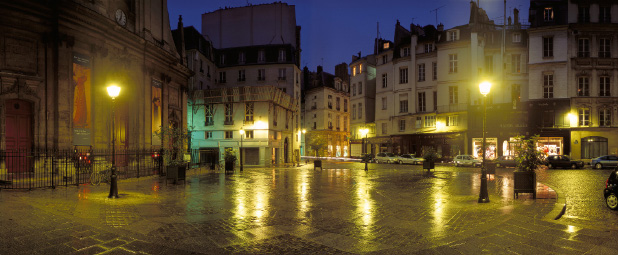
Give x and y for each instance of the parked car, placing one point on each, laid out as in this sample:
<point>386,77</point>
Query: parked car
<point>409,159</point>
<point>466,160</point>
<point>611,191</point>
<point>385,157</point>
<point>554,161</point>
<point>609,161</point>
<point>506,161</point>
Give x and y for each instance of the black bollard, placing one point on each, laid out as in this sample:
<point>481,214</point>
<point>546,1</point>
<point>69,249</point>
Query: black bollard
<point>113,188</point>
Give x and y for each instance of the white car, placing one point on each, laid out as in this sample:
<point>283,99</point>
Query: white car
<point>385,157</point>
<point>466,160</point>
<point>409,159</point>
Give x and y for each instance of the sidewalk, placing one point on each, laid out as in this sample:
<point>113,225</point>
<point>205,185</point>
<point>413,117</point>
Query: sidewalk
<point>294,211</point>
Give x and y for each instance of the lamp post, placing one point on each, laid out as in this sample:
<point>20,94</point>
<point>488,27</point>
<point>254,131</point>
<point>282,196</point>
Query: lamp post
<point>242,133</point>
<point>484,88</point>
<point>113,92</point>
<point>365,131</point>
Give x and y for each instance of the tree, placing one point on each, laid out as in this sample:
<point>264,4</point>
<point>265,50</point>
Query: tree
<point>317,142</point>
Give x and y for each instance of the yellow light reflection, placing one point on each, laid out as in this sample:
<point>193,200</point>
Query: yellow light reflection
<point>365,207</point>
<point>572,119</point>
<point>440,201</point>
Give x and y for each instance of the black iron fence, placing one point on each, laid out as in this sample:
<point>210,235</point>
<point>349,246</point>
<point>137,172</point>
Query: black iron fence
<point>21,169</point>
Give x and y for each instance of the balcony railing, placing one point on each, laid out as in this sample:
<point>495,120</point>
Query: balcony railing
<point>209,123</point>
<point>228,122</point>
<point>453,108</point>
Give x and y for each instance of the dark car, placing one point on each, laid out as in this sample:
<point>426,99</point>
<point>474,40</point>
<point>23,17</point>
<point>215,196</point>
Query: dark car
<point>506,161</point>
<point>608,161</point>
<point>555,161</point>
<point>611,191</point>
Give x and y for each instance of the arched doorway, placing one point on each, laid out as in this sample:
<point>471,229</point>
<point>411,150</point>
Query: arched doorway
<point>19,137</point>
<point>285,151</point>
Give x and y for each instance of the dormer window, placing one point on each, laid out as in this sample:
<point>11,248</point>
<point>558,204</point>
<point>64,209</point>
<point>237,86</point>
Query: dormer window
<point>428,47</point>
<point>241,58</point>
<point>261,56</point>
<point>583,14</point>
<point>452,35</point>
<point>354,71</point>
<point>222,59</point>
<point>516,37</point>
<point>405,52</point>
<point>548,14</point>
<point>281,55</point>
<point>360,69</point>
<point>386,45</point>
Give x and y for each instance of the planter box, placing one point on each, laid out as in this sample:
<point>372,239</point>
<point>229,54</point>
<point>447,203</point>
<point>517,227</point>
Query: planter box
<point>525,182</point>
<point>429,165</point>
<point>229,165</point>
<point>176,173</point>
<point>316,164</point>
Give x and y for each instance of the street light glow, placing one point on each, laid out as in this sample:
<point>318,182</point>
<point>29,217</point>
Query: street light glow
<point>242,131</point>
<point>113,91</point>
<point>484,87</point>
<point>364,131</point>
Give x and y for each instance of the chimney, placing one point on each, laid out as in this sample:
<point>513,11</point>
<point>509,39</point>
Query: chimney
<point>182,52</point>
<point>440,27</point>
<point>510,21</point>
<point>516,16</point>
<point>319,69</point>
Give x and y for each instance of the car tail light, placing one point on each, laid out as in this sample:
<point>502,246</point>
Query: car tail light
<point>607,183</point>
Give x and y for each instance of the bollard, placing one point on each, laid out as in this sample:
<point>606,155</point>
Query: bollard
<point>113,189</point>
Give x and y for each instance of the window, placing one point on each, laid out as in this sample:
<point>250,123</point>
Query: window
<point>604,48</point>
<point>360,88</point>
<point>406,51</point>
<point>222,77</point>
<point>360,68</point>
<point>241,58</point>
<point>604,89</point>
<point>489,64</point>
<point>207,134</point>
<point>345,105</point>
<point>208,71</point>
<point>516,63</point>
<point>345,123</point>
<point>282,74</point>
<point>338,103</point>
<point>421,101</point>
<point>453,95</point>
<point>209,110</point>
<point>384,103</point>
<point>330,102</point>
<point>548,118</point>
<point>516,37</point>
<point>402,125</point>
<point>354,71</point>
<point>248,134</point>
<point>275,116</point>
<point>353,89</point>
<point>452,65</point>
<point>353,111</point>
<point>261,56</point>
<point>261,74</point>
<point>435,100</point>
<point>384,59</point>
<point>249,111</point>
<point>241,75</point>
<point>428,47</point>
<point>594,146</point>
<point>403,75</point>
<point>386,45</point>
<point>452,121</point>
<point>605,117</point>
<point>584,117</point>
<point>421,72</point>
<point>229,134</point>
<point>605,15</point>
<point>384,129</point>
<point>430,121</point>
<point>548,86</point>
<point>548,47</point>
<point>434,71</point>
<point>419,122</point>
<point>281,55</point>
<point>403,106</point>
<point>229,109</point>
<point>452,35</point>
<point>548,14</point>
<point>360,110</point>
<point>583,14</point>
<point>337,122</point>
<point>201,66</point>
<point>222,59</point>
<point>583,48</point>
<point>583,87</point>
<point>384,80</point>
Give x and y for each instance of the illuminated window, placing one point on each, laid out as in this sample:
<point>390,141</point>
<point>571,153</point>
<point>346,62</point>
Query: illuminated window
<point>583,87</point>
<point>604,86</point>
<point>419,122</point>
<point>605,117</point>
<point>248,134</point>
<point>584,117</point>
<point>430,121</point>
<point>548,14</point>
<point>452,121</point>
<point>354,71</point>
<point>360,69</point>
<point>386,45</point>
<point>583,48</point>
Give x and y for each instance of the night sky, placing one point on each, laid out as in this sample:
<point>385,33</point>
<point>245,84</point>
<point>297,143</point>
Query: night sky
<point>334,30</point>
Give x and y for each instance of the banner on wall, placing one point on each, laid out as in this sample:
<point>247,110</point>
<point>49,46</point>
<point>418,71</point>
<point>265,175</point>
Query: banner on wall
<point>81,100</point>
<point>156,110</point>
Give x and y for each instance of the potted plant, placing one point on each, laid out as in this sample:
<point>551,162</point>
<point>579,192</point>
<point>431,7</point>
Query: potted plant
<point>430,157</point>
<point>174,141</point>
<point>230,159</point>
<point>317,142</point>
<point>528,160</point>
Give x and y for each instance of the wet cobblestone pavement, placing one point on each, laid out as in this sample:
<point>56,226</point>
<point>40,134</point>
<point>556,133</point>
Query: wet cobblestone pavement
<point>339,210</point>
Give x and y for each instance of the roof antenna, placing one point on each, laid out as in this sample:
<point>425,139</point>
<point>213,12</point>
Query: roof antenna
<point>436,11</point>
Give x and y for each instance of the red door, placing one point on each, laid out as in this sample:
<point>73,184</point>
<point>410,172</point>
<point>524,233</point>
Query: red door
<point>18,135</point>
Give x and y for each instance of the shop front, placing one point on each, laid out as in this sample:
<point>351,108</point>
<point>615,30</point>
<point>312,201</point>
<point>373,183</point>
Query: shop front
<point>447,145</point>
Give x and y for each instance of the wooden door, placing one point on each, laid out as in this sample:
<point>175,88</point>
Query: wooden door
<point>18,135</point>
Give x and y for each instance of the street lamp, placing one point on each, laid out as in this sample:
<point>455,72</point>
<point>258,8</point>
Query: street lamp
<point>365,131</point>
<point>113,92</point>
<point>242,133</point>
<point>484,88</point>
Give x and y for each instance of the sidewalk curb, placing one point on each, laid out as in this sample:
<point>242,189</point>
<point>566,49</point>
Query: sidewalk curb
<point>559,207</point>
